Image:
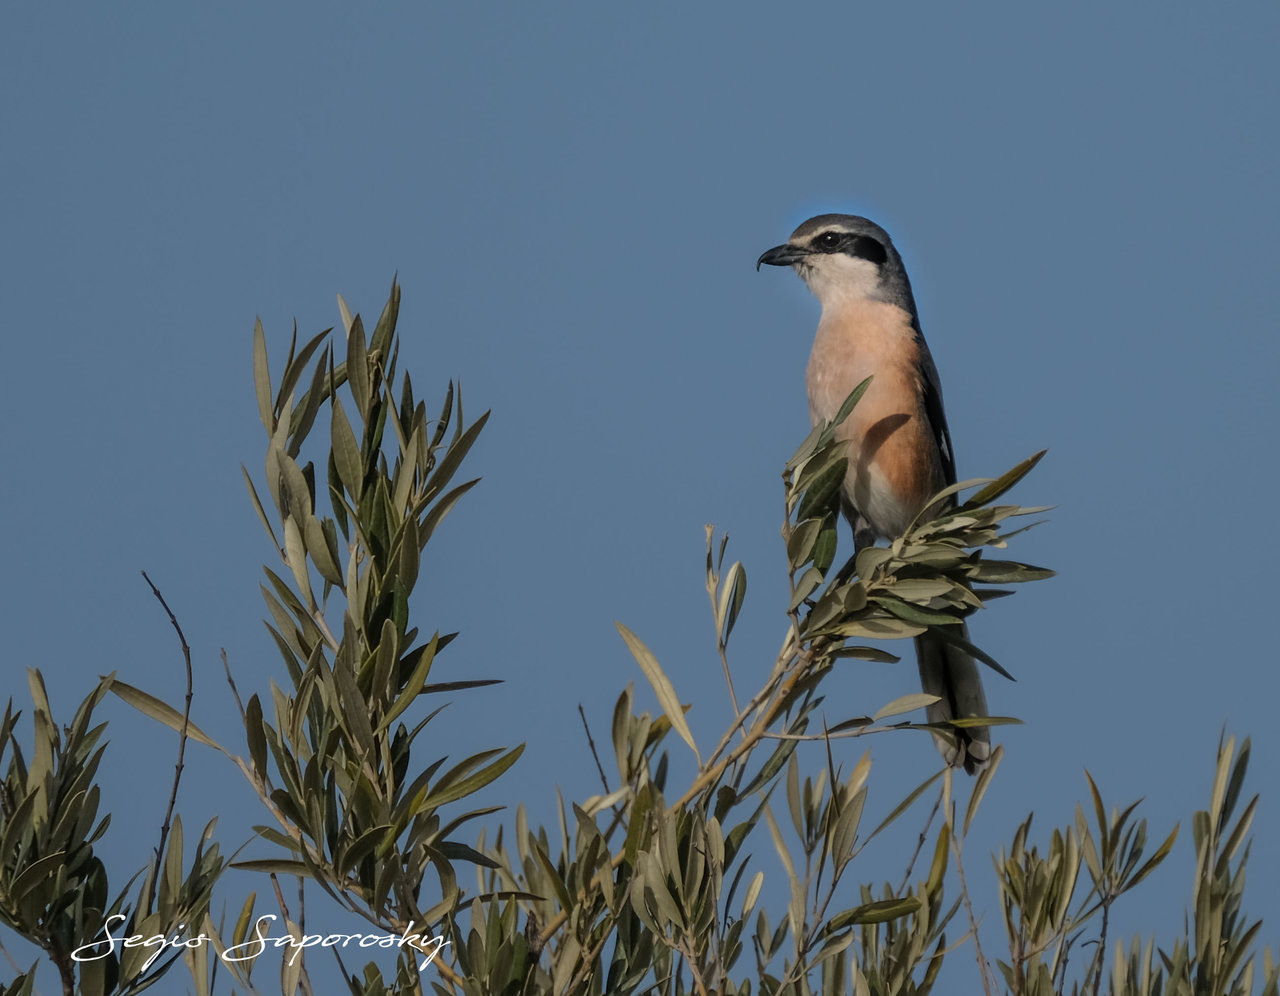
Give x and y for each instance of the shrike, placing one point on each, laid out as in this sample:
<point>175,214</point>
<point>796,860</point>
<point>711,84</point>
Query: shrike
<point>900,451</point>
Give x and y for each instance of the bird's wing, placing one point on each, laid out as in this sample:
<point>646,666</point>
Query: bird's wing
<point>932,397</point>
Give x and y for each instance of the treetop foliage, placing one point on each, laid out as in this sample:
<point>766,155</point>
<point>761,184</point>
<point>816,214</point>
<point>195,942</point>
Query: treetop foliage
<point>744,878</point>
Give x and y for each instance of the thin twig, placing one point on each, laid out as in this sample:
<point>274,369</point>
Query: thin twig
<point>182,734</point>
<point>906,877</point>
<point>9,958</point>
<point>699,983</point>
<point>1102,947</point>
<point>968,907</point>
<point>232,682</point>
<point>618,809</point>
<point>66,971</point>
<point>586,962</point>
<point>592,744</point>
<point>723,648</point>
<point>789,661</point>
<point>861,731</point>
<point>1062,965</point>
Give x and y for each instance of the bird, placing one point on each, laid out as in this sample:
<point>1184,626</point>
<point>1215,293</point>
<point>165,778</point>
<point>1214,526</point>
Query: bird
<point>899,446</point>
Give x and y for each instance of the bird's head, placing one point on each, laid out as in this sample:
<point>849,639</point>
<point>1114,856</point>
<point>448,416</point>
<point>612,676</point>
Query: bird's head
<point>843,256</point>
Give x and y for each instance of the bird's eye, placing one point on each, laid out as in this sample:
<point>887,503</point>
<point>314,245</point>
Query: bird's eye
<point>829,240</point>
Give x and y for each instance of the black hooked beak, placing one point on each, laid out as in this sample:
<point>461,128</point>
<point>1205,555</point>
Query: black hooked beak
<point>783,255</point>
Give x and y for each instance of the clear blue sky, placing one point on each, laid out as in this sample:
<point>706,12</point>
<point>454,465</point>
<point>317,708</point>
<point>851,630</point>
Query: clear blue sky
<point>574,198</point>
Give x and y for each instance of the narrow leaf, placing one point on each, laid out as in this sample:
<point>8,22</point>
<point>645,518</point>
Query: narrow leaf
<point>262,376</point>
<point>906,703</point>
<point>151,706</point>
<point>1004,482</point>
<point>980,788</point>
<point>854,397</point>
<point>477,781</point>
<point>662,687</point>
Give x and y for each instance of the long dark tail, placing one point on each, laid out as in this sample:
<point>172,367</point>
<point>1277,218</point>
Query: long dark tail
<point>949,673</point>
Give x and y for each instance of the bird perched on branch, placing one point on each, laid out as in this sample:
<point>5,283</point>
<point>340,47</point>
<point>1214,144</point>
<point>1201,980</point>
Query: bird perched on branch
<point>900,451</point>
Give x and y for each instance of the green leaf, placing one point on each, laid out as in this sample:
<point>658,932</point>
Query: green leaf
<point>262,377</point>
<point>1229,846</point>
<point>262,515</point>
<point>980,787</point>
<point>353,707</point>
<point>45,871</point>
<point>346,453</point>
<point>938,867</point>
<point>868,654</point>
<point>822,492</point>
<point>732,593</point>
<point>805,450</point>
<point>151,706</point>
<point>639,826</point>
<point>295,365</point>
<point>317,543</point>
<point>437,687</point>
<point>753,893</point>
<point>800,545</point>
<point>462,852</point>
<point>824,550</point>
<point>949,635</point>
<point>385,329</point>
<point>304,415</point>
<point>854,397</point>
<point>557,883</point>
<point>845,834</point>
<point>1007,572</point>
<point>915,613</point>
<point>275,866</point>
<point>458,449</point>
<point>1161,853</point>
<point>296,555</point>
<point>255,734</point>
<point>345,314</point>
<point>907,703</point>
<point>880,629</point>
<point>358,367</point>
<point>808,582</point>
<point>923,590</point>
<point>20,823</point>
<point>878,912</point>
<point>964,722</point>
<point>477,781</point>
<point>662,687</point>
<point>442,508</point>
<point>779,844</point>
<point>1236,782</point>
<point>1003,483</point>
<point>905,804</point>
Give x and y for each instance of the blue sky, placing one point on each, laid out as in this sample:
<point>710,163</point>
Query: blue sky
<point>573,198</point>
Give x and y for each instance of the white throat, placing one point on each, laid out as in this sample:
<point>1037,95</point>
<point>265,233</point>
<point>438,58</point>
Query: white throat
<point>837,278</point>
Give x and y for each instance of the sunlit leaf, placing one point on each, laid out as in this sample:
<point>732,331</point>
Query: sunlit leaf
<point>262,377</point>
<point>151,706</point>
<point>847,406</point>
<point>1004,482</point>
<point>980,787</point>
<point>907,703</point>
<point>662,686</point>
<point>878,912</point>
<point>477,781</point>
